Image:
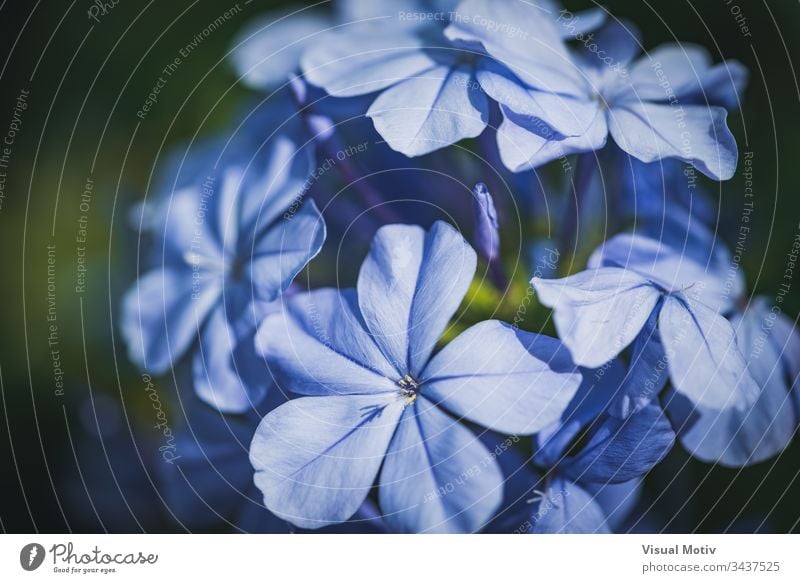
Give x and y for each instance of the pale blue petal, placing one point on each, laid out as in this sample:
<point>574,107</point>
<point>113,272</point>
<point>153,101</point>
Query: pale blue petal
<point>647,373</point>
<point>734,437</point>
<point>623,450</point>
<point>275,184</point>
<point>503,378</point>
<point>222,380</point>
<point>566,115</point>
<point>409,286</point>
<point>356,62</point>
<point>566,508</point>
<point>267,50</point>
<point>316,458</point>
<point>723,84</point>
<point>163,313</point>
<point>696,134</point>
<point>614,46</point>
<point>381,11</point>
<point>438,477</point>
<point>696,261</point>
<point>188,231</point>
<point>431,110</point>
<point>583,22</point>
<point>688,70</point>
<point>616,500</point>
<point>318,345</point>
<point>524,37</point>
<point>599,312</point>
<point>525,143</point>
<point>596,393</point>
<point>705,362</point>
<point>284,250</point>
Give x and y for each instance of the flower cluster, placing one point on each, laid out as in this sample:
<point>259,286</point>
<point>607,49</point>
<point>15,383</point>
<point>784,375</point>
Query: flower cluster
<point>373,366</point>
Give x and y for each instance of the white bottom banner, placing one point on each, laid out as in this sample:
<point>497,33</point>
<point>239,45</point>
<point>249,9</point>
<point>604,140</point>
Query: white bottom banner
<point>390,558</point>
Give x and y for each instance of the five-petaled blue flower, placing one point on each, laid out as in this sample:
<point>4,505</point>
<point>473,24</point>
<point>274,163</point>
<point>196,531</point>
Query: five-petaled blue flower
<point>638,289</point>
<point>376,398</point>
<point>558,102</point>
<point>233,239</point>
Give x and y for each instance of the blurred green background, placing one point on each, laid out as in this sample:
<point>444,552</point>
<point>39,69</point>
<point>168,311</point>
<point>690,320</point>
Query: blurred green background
<point>86,80</point>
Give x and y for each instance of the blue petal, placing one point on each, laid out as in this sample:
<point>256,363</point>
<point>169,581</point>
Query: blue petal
<point>186,233</point>
<point>722,84</point>
<point>522,36</point>
<point>568,509</point>
<point>599,312</point>
<point>596,393</point>
<point>316,458</point>
<point>356,62</point>
<point>688,70</point>
<point>694,260</point>
<point>741,437</point>
<point>582,22</point>
<point>409,286</point>
<point>623,450</point>
<point>431,110</point>
<point>268,48</point>
<point>485,235</point>
<point>616,500</point>
<point>566,115</point>
<point>503,378</point>
<point>319,345</point>
<point>696,134</point>
<point>274,184</point>
<point>647,374</point>
<point>163,313</point>
<point>438,477</point>
<point>614,46</point>
<point>284,250</point>
<point>228,383</point>
<point>529,142</point>
<point>705,363</point>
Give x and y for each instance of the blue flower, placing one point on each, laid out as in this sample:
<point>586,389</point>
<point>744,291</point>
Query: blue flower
<point>377,398</point>
<point>231,241</point>
<point>652,106</point>
<point>593,462</point>
<point>639,289</point>
<point>427,76</point>
<point>740,437</point>
<point>267,50</point>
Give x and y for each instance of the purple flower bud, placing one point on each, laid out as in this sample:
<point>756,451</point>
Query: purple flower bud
<point>485,235</point>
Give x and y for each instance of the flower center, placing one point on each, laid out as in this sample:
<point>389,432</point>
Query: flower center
<point>409,388</point>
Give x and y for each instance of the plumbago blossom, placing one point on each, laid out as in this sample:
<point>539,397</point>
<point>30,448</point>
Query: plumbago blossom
<point>228,249</point>
<point>651,106</point>
<point>427,77</point>
<point>641,290</point>
<point>378,398</point>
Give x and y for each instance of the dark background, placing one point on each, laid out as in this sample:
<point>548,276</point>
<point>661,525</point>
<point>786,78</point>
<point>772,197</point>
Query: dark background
<point>85,88</point>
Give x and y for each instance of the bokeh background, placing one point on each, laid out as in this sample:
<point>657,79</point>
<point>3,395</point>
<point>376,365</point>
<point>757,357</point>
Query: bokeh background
<point>68,459</point>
